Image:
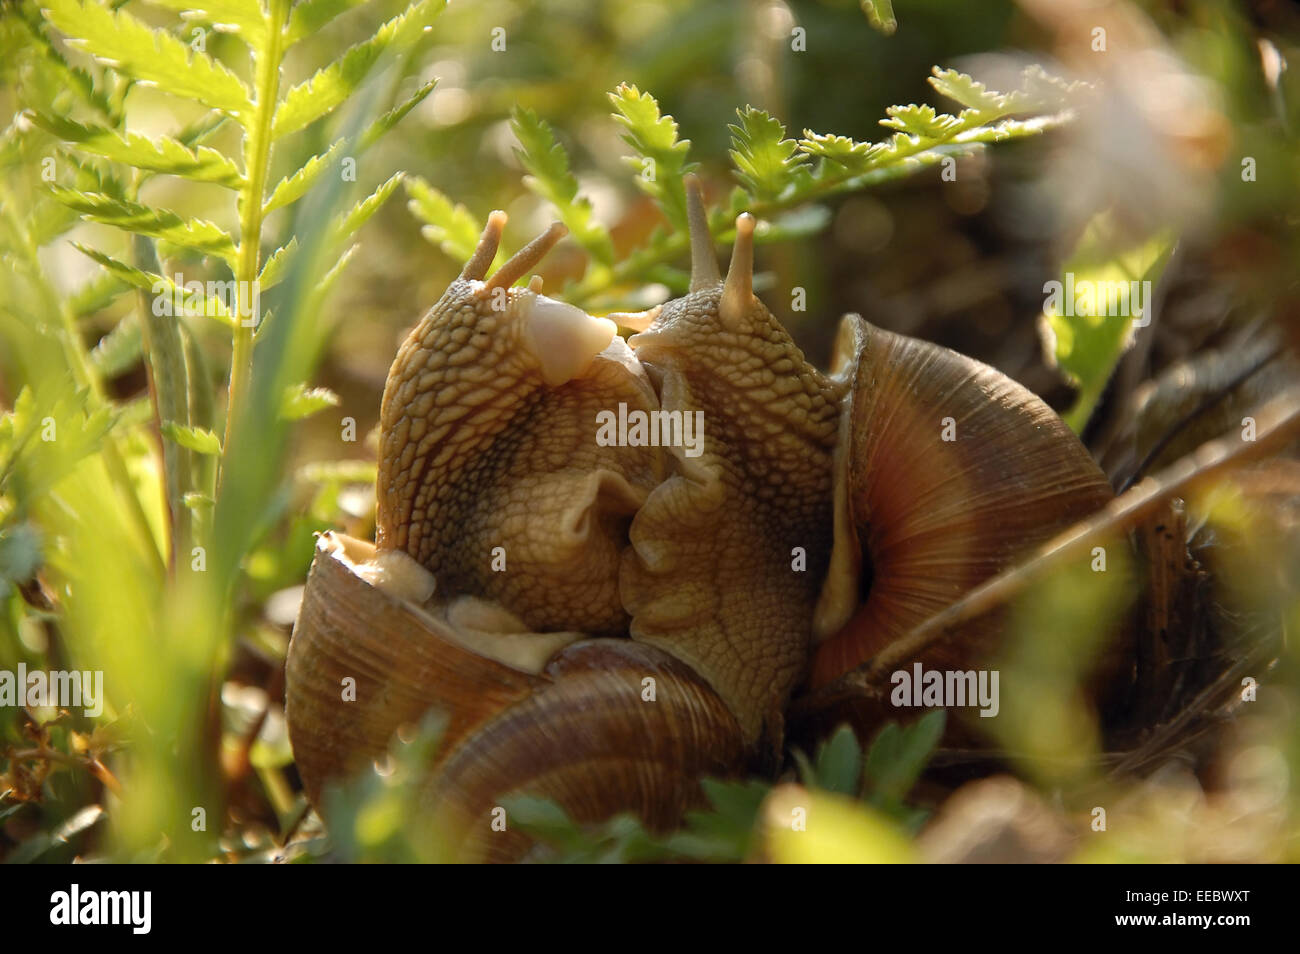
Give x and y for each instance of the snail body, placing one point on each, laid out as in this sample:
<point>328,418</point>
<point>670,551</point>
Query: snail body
<point>659,606</point>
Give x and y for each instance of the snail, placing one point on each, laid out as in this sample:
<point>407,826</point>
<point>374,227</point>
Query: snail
<point>606,625</point>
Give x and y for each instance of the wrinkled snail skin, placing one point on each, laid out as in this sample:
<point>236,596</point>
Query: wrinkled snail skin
<point>711,575</point>
<point>925,519</point>
<point>488,424</point>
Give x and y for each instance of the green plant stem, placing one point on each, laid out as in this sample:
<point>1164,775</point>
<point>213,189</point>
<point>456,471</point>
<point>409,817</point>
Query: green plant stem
<point>257,161</point>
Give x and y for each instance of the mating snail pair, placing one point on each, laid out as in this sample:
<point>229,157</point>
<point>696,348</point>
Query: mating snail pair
<point>605,625</point>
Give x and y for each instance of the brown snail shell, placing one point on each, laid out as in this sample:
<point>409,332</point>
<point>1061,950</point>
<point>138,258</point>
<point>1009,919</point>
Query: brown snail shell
<point>587,729</point>
<point>922,520</point>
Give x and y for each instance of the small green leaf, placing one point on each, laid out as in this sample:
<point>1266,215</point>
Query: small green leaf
<point>198,439</point>
<point>300,401</point>
<point>449,226</point>
<point>921,121</point>
<point>839,763</point>
<point>119,349</point>
<point>293,187</point>
<point>767,163</point>
<point>198,303</point>
<point>154,56</point>
<point>308,16</point>
<point>198,234</point>
<point>347,224</point>
<point>384,123</point>
<point>1105,291</point>
<point>154,153</point>
<point>243,17</point>
<point>661,159</point>
<point>880,14</point>
<point>550,178</point>
<point>331,86</point>
<point>897,757</point>
<point>276,266</point>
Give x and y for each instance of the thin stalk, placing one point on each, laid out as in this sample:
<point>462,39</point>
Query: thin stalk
<point>257,161</point>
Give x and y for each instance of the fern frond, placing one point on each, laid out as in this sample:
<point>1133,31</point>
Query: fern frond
<point>448,225</point>
<point>197,234</point>
<point>155,154</point>
<point>330,86</point>
<point>663,157</point>
<point>550,177</point>
<point>150,56</point>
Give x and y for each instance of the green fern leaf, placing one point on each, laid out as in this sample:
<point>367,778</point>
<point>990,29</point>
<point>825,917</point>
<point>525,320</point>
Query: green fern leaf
<point>922,121</point>
<point>767,163</point>
<point>308,16</point>
<point>662,158</point>
<point>150,56</point>
<point>394,116</point>
<point>347,224</point>
<point>449,226</point>
<point>156,154</point>
<point>193,302</point>
<point>332,85</point>
<point>119,349</point>
<point>301,401</point>
<point>198,439</point>
<point>880,14</point>
<point>276,266</point>
<point>550,178</point>
<point>246,18</point>
<point>198,234</point>
<point>293,187</point>
<point>97,293</point>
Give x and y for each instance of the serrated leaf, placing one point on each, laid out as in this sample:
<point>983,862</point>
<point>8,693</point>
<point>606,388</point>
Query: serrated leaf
<point>151,56</point>
<point>451,227</point>
<point>767,163</point>
<point>550,178</point>
<point>156,154</point>
<point>243,17</point>
<point>276,266</point>
<point>160,285</point>
<point>663,157</point>
<point>331,86</point>
<point>880,14</point>
<point>198,439</point>
<point>301,401</point>
<point>922,121</point>
<point>293,187</point>
<point>119,349</point>
<point>394,116</point>
<point>99,292</point>
<point>308,16</point>
<point>347,224</point>
<point>198,234</point>
<point>77,79</point>
<point>838,149</point>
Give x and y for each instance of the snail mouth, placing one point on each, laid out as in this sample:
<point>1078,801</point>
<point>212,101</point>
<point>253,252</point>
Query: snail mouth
<point>563,338</point>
